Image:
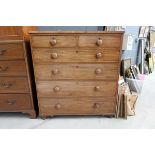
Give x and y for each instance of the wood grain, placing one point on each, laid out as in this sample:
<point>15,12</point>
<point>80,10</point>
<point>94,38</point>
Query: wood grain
<point>44,55</point>
<point>12,102</point>
<point>11,51</point>
<point>13,68</point>
<point>76,71</point>
<point>75,88</point>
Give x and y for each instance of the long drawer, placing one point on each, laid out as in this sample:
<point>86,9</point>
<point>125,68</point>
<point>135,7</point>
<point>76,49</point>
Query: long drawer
<point>61,55</point>
<point>77,71</point>
<point>77,106</point>
<point>11,51</point>
<point>75,88</point>
<point>13,68</point>
<point>14,85</point>
<point>53,41</point>
<point>10,102</point>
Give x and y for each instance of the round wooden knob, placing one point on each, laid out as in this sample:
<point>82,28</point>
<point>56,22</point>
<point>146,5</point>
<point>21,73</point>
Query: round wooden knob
<point>2,51</point>
<point>2,69</point>
<point>97,88</point>
<point>57,106</point>
<point>98,71</point>
<point>99,41</point>
<point>98,55</point>
<point>57,89</point>
<point>54,55</point>
<point>96,105</point>
<point>55,71</point>
<point>53,41</point>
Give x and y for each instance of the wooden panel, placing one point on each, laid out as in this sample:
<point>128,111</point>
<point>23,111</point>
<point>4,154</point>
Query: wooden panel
<point>13,85</point>
<point>11,51</point>
<point>13,68</point>
<point>11,32</point>
<point>77,106</point>
<point>43,55</point>
<point>104,41</point>
<point>76,71</point>
<point>58,41</point>
<point>11,102</point>
<point>76,88</point>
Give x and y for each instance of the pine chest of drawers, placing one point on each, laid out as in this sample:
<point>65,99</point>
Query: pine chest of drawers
<point>15,81</point>
<point>76,73</point>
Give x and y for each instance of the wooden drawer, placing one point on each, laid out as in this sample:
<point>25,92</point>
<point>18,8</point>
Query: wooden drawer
<point>11,51</point>
<point>43,55</point>
<point>53,41</point>
<point>75,88</point>
<point>100,41</point>
<point>11,102</point>
<point>14,85</point>
<point>77,71</point>
<point>77,106</point>
<point>13,68</point>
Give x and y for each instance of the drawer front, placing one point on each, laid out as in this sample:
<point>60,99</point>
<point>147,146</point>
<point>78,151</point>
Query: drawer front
<point>12,68</point>
<point>76,106</point>
<point>75,88</point>
<point>53,41</point>
<point>10,102</point>
<point>11,51</point>
<point>100,41</point>
<point>77,71</point>
<point>13,85</point>
<point>43,55</point>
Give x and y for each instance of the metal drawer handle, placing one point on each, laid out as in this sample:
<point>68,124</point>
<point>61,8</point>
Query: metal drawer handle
<point>99,41</point>
<point>54,55</point>
<point>2,51</point>
<point>57,106</point>
<point>53,41</point>
<point>11,102</point>
<point>6,85</point>
<point>2,68</point>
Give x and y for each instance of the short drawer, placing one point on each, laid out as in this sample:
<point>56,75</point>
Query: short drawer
<point>77,71</point>
<point>14,85</point>
<point>15,102</point>
<point>13,68</point>
<point>47,55</point>
<point>77,106</point>
<point>53,41</point>
<point>75,88</point>
<point>100,40</point>
<point>11,51</point>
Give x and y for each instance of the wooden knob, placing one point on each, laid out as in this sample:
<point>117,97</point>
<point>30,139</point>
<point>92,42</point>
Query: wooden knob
<point>11,102</point>
<point>99,41</point>
<point>98,55</point>
<point>97,88</point>
<point>53,41</point>
<point>2,69</point>
<point>98,71</point>
<point>2,51</point>
<point>96,105</point>
<point>57,89</point>
<point>55,71</point>
<point>6,85</point>
<point>57,106</point>
<point>54,55</point>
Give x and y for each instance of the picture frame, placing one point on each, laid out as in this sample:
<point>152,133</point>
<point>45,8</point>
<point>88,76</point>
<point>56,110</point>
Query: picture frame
<point>125,65</point>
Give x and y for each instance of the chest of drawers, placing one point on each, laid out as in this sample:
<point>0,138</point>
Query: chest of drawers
<point>15,81</point>
<point>76,73</point>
